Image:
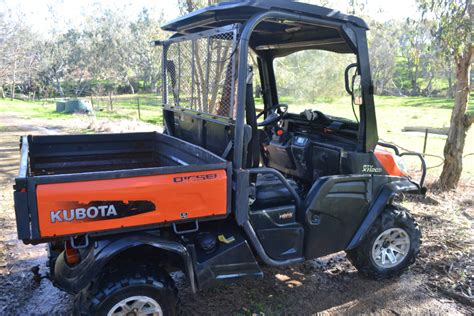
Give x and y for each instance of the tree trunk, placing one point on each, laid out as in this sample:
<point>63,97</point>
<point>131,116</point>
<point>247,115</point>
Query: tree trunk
<point>154,85</point>
<point>59,88</point>
<point>414,88</point>
<point>454,146</point>
<point>132,89</point>
<point>13,82</point>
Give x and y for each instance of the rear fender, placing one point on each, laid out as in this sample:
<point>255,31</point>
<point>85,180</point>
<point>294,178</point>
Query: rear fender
<point>384,198</point>
<point>73,279</point>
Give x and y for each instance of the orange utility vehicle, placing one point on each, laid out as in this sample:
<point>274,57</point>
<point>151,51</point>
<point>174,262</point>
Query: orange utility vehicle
<point>227,187</point>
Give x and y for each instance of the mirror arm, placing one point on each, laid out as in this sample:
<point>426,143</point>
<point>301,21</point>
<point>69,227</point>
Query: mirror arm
<point>346,78</point>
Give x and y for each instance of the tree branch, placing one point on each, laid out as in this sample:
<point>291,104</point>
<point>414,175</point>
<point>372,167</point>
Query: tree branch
<point>468,119</point>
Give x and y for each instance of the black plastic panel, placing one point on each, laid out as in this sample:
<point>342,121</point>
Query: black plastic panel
<point>211,134</point>
<point>282,243</point>
<point>279,233</point>
<point>334,212</point>
<point>280,157</point>
<point>358,162</point>
<point>22,215</point>
<point>325,161</point>
<point>305,159</point>
<point>227,262</point>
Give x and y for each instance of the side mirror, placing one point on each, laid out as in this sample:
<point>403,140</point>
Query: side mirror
<point>357,90</point>
<point>354,89</point>
<point>346,77</point>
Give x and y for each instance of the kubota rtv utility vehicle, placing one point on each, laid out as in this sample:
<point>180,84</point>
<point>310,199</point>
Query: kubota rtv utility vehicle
<point>229,186</point>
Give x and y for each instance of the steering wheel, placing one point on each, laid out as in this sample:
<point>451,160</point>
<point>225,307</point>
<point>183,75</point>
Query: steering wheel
<point>274,114</point>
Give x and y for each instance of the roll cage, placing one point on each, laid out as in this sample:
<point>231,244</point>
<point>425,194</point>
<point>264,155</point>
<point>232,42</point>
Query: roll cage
<point>272,29</point>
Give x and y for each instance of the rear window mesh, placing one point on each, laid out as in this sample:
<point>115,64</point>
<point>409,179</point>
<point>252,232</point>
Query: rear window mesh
<point>201,73</point>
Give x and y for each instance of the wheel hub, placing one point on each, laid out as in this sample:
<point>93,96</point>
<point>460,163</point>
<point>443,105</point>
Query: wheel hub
<point>136,306</point>
<point>390,248</point>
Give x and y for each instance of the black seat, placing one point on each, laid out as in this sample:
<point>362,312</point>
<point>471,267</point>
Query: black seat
<point>270,191</point>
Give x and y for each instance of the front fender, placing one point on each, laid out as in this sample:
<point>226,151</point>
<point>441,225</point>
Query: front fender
<point>73,279</point>
<point>385,197</point>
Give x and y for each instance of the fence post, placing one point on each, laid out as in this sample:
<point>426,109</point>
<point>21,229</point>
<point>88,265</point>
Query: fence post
<point>110,101</point>
<point>426,141</point>
<point>138,104</point>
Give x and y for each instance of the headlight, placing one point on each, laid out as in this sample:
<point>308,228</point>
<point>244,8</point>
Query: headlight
<point>401,164</point>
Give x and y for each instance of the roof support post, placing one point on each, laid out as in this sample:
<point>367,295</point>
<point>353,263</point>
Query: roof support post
<point>368,135</point>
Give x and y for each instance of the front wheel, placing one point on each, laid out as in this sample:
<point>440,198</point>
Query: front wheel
<point>142,290</point>
<point>390,246</point>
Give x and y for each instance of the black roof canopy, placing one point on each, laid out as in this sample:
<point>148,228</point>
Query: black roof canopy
<point>274,36</point>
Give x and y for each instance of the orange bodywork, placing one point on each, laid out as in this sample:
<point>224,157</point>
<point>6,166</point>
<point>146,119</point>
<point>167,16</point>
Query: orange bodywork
<point>169,197</point>
<point>387,160</point>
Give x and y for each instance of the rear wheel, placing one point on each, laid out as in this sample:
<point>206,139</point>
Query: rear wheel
<point>390,246</point>
<point>143,290</point>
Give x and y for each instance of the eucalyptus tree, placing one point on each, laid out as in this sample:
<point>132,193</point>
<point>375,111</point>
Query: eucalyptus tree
<point>453,30</point>
<point>145,58</point>
<point>384,48</point>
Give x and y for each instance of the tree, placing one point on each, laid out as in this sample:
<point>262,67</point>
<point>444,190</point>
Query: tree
<point>106,37</point>
<point>384,46</point>
<point>187,6</point>
<point>453,29</point>
<point>145,59</point>
<point>415,49</point>
<point>18,54</point>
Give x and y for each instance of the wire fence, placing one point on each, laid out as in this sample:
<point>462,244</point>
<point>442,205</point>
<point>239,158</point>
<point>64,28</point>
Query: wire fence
<point>135,105</point>
<point>143,107</point>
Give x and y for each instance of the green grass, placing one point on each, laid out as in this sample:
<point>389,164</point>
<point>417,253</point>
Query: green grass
<point>27,110</point>
<point>123,108</point>
<point>393,113</point>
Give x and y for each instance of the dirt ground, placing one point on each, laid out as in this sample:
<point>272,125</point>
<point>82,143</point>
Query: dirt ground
<point>441,282</point>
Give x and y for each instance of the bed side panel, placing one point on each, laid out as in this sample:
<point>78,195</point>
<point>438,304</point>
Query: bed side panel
<point>91,206</point>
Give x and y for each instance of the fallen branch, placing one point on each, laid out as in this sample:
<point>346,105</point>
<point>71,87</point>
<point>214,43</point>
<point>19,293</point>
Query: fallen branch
<point>453,295</point>
<point>423,129</point>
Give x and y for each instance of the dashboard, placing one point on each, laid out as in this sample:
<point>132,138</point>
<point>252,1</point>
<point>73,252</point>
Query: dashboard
<point>309,149</point>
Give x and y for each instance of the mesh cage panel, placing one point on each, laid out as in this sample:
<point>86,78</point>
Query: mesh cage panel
<point>200,74</point>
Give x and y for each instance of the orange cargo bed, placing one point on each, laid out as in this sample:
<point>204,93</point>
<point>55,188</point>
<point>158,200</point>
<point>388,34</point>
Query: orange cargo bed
<point>80,184</point>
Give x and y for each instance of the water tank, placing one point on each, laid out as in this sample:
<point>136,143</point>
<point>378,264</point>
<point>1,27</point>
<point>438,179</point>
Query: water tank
<point>60,106</point>
<point>78,106</point>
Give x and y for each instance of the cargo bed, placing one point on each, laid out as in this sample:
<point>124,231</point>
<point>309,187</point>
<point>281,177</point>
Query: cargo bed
<point>73,185</point>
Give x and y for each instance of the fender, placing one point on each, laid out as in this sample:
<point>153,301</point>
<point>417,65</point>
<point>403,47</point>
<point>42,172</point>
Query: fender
<point>385,197</point>
<point>73,279</point>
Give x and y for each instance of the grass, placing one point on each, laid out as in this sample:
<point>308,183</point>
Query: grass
<point>124,107</point>
<point>393,113</point>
